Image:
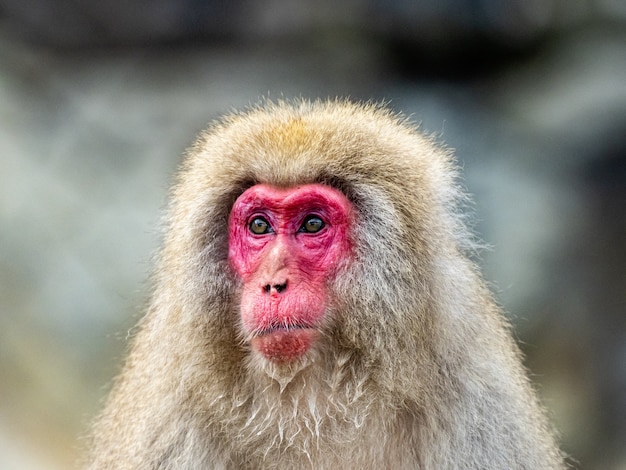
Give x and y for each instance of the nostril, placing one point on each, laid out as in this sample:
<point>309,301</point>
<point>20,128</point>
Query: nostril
<point>280,287</point>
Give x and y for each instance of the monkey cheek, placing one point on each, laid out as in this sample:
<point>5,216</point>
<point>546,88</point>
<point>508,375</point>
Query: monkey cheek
<point>285,346</point>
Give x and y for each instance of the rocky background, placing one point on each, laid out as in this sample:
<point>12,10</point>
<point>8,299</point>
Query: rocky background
<point>98,100</point>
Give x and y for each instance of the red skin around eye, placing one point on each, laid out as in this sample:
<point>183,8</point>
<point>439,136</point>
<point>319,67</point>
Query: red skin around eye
<point>285,271</point>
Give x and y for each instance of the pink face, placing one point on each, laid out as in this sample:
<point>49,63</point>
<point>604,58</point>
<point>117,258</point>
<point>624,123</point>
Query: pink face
<point>285,244</point>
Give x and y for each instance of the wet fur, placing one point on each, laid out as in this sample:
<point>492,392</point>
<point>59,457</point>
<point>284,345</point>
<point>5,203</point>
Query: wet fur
<point>416,367</point>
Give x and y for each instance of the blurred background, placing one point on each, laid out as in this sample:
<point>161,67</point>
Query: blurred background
<point>98,100</point>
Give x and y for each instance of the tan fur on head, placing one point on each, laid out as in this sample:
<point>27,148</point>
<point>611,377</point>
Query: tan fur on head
<point>415,368</point>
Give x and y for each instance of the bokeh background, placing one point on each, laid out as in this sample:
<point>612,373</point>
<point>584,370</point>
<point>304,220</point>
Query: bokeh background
<point>98,100</point>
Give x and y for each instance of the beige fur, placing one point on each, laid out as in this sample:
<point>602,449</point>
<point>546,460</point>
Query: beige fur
<point>416,367</point>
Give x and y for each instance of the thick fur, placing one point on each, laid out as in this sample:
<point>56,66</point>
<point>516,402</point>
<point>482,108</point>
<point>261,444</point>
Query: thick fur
<point>416,367</point>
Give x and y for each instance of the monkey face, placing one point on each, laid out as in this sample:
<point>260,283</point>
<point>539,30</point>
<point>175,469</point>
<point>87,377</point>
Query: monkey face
<point>285,244</point>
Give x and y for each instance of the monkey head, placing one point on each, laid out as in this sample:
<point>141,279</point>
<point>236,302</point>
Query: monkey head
<point>315,307</point>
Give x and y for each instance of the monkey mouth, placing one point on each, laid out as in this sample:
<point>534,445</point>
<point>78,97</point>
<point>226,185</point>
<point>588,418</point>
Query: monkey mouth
<point>282,327</point>
<point>284,343</point>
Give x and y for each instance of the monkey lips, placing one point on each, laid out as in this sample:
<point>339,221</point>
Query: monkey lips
<point>284,344</point>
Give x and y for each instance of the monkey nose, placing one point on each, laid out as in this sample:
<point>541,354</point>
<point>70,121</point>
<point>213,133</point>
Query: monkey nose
<point>275,288</point>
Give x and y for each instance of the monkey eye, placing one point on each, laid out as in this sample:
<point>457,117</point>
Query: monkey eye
<point>312,224</point>
<point>260,226</point>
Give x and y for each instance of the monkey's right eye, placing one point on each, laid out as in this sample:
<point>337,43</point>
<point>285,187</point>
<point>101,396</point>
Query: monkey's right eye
<point>260,226</point>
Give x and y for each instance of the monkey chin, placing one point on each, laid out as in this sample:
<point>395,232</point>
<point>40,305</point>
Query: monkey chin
<point>284,345</point>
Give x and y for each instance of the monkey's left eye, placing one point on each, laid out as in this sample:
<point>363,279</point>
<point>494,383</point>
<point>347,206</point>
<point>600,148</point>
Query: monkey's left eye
<point>312,224</point>
<point>260,226</point>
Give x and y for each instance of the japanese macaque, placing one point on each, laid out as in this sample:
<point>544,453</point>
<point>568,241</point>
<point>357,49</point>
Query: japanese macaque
<point>315,307</point>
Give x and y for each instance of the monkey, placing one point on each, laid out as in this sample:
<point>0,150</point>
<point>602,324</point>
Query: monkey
<point>317,304</point>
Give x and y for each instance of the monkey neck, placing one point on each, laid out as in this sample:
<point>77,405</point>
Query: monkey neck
<point>277,410</point>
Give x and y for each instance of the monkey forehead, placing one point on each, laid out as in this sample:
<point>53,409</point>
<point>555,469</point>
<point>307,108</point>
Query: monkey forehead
<point>293,200</point>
